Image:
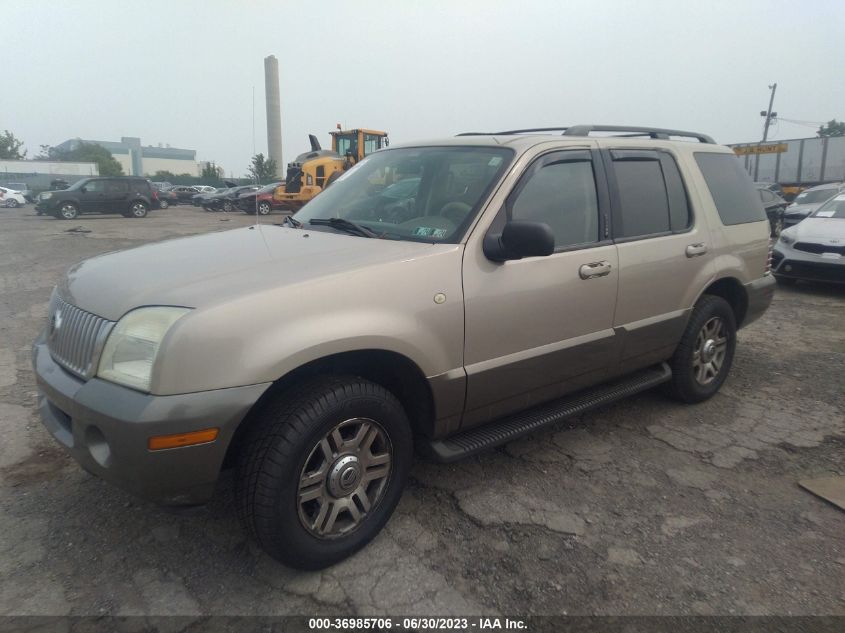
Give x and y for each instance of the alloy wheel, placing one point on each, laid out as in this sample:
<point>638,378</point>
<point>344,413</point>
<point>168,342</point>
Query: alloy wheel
<point>264,208</point>
<point>344,478</point>
<point>711,344</point>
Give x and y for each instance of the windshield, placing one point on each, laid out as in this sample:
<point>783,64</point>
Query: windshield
<point>423,194</point>
<point>833,208</point>
<point>814,197</point>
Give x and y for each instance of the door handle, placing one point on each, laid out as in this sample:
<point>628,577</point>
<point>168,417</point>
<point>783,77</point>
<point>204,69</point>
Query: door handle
<point>595,269</point>
<point>694,250</point>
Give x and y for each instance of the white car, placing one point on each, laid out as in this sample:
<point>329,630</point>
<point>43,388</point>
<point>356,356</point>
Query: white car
<point>11,198</point>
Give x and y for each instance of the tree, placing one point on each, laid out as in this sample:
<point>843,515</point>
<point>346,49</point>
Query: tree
<point>91,153</point>
<point>832,128</point>
<point>263,170</point>
<point>162,175</point>
<point>210,173</point>
<point>10,147</point>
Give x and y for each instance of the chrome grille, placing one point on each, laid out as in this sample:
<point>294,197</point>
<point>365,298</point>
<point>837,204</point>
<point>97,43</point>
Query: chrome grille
<point>75,337</point>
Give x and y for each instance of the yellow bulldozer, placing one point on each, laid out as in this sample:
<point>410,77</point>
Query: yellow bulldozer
<point>313,171</point>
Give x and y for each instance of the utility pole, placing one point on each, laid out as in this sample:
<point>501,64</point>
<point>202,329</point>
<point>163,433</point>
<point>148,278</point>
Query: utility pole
<point>768,113</point>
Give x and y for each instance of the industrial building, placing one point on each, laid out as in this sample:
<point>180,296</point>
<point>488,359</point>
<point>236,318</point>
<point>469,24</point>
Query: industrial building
<point>38,174</point>
<point>802,161</point>
<point>140,160</point>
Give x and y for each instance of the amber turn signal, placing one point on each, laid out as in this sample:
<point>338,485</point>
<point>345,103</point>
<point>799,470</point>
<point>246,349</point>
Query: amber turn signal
<point>182,439</point>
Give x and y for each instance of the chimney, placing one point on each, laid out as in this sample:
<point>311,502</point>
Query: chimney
<point>274,112</point>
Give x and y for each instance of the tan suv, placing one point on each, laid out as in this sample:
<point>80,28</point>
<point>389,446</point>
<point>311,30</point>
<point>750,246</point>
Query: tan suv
<point>449,296</point>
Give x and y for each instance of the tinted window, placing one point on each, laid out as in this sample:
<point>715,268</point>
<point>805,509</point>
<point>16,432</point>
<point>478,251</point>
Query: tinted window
<point>643,200</point>
<point>731,188</point>
<point>679,211</point>
<point>561,194</point>
<point>117,186</point>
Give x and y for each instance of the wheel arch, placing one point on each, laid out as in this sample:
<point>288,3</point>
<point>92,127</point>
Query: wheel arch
<point>731,290</point>
<point>395,372</point>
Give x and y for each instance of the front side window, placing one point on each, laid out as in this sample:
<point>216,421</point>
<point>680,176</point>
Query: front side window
<point>560,192</point>
<point>424,194</point>
<point>347,143</point>
<point>95,186</point>
<point>371,143</point>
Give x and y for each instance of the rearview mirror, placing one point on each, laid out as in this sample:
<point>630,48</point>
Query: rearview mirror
<point>518,240</point>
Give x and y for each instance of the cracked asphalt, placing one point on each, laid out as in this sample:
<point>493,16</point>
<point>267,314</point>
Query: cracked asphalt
<point>645,507</point>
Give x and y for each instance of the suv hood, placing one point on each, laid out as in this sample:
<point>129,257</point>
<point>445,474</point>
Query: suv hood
<point>820,231</point>
<point>209,269</point>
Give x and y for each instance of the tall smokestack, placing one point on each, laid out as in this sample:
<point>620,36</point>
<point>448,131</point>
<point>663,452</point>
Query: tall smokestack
<point>274,112</point>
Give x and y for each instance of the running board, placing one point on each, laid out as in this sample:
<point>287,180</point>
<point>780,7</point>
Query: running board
<point>506,430</point>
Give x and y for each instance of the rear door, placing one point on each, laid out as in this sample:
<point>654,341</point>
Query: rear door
<point>664,252</point>
<point>116,197</point>
<point>540,327</point>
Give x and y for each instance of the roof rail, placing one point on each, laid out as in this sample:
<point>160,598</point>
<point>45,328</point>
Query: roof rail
<point>585,130</point>
<point>653,132</point>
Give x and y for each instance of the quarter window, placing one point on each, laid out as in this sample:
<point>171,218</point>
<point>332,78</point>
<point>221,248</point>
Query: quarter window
<point>561,192</point>
<point>730,187</point>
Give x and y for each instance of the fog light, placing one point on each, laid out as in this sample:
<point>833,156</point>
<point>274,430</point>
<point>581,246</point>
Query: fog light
<point>205,436</point>
<point>788,268</point>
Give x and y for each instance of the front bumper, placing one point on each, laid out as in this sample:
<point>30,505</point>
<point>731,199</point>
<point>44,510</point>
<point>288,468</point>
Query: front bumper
<point>794,264</point>
<point>105,427</point>
<point>44,206</point>
<point>759,293</point>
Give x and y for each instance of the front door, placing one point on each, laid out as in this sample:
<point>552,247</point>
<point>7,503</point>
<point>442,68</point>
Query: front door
<point>92,196</point>
<point>540,327</point>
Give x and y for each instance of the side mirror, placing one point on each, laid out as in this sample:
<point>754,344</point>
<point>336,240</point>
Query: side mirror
<point>518,240</point>
<point>83,189</point>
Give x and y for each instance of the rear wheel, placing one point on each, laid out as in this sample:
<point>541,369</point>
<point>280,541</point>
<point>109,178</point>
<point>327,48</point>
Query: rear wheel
<point>138,209</point>
<point>163,204</point>
<point>12,203</point>
<point>323,469</point>
<point>68,211</point>
<point>703,358</point>
<point>227,206</point>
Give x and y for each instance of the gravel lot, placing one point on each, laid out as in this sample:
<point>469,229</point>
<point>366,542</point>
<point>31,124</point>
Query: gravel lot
<point>646,507</point>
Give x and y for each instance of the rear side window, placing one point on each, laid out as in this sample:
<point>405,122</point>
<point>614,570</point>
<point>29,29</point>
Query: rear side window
<point>731,188</point>
<point>117,186</point>
<point>651,195</point>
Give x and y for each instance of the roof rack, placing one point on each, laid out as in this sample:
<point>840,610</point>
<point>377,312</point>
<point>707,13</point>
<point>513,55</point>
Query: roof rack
<point>586,130</point>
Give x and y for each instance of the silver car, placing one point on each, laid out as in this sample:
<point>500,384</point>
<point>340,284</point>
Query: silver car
<point>809,200</point>
<point>813,250</point>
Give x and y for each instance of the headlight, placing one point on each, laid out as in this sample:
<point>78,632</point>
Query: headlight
<point>46,195</point>
<point>132,346</point>
<point>786,239</point>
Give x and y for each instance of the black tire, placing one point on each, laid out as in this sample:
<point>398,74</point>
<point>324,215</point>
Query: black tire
<point>228,207</point>
<point>67,211</point>
<point>264,208</point>
<point>138,209</point>
<point>786,281</point>
<point>686,384</point>
<point>163,204</point>
<point>278,449</point>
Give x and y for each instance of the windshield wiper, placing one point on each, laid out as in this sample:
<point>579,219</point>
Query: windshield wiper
<point>292,221</point>
<point>342,224</point>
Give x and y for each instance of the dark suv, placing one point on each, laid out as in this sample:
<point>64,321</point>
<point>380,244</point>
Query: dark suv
<point>129,196</point>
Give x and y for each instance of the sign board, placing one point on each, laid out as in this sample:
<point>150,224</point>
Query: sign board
<point>769,148</point>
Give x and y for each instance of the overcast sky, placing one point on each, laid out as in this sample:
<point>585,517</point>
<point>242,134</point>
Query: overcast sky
<point>182,72</point>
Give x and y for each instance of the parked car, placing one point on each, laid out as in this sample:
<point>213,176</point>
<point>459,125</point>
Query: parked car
<point>22,188</point>
<point>259,200</point>
<point>809,200</point>
<point>540,277</point>
<point>205,188</point>
<point>813,250</point>
<point>129,196</point>
<point>162,185</point>
<point>11,198</point>
<point>771,186</point>
<point>226,200</point>
<point>198,198</point>
<point>165,197</point>
<point>774,206</point>
<point>185,192</point>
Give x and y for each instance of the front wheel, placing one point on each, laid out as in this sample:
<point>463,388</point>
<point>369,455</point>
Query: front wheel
<point>227,207</point>
<point>703,358</point>
<point>68,211</point>
<point>163,204</point>
<point>12,203</point>
<point>323,469</point>
<point>263,208</point>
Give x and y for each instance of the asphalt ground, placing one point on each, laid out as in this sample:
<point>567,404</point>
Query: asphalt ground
<point>645,507</point>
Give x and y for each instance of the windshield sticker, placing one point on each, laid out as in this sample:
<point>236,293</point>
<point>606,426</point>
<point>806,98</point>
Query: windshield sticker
<point>495,161</point>
<point>427,231</point>
<point>825,214</point>
<point>841,196</point>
